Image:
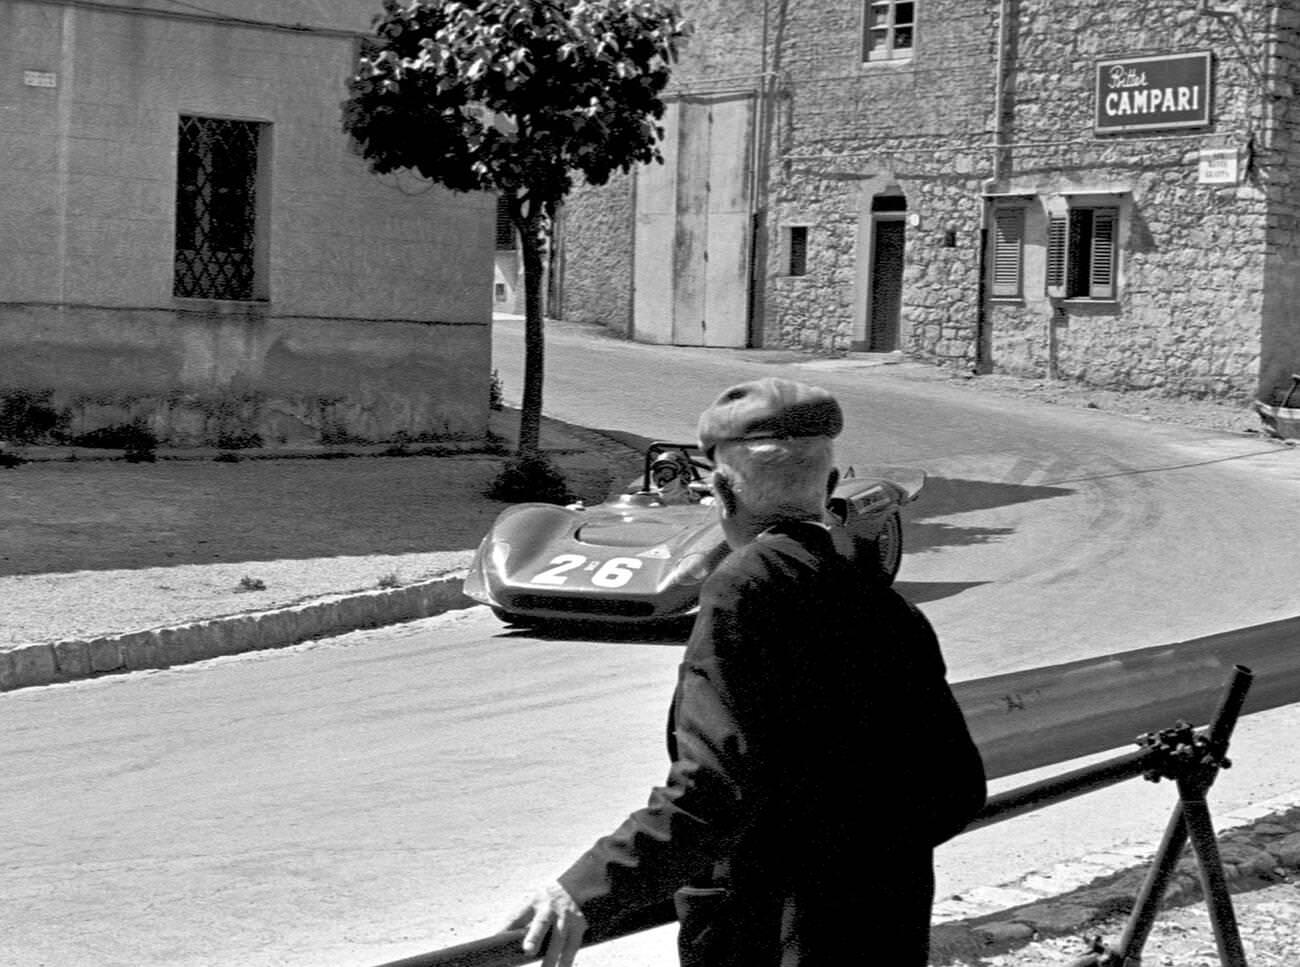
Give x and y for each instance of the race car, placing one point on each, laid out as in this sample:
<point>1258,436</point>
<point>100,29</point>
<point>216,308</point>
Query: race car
<point>641,555</point>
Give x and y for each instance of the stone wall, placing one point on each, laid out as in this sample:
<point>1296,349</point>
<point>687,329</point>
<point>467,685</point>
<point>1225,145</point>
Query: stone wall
<point>239,376</point>
<point>1207,275</point>
<point>847,131</point>
<point>596,285</point>
<point>1186,315</point>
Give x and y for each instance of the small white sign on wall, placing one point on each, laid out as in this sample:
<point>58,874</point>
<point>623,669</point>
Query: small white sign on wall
<point>40,79</point>
<point>1218,166</point>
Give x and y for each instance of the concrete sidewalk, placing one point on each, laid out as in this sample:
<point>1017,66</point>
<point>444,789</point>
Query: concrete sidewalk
<point>65,659</point>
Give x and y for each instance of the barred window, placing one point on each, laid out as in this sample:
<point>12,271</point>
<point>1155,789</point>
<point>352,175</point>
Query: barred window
<point>216,208</point>
<point>1081,253</point>
<point>888,29</point>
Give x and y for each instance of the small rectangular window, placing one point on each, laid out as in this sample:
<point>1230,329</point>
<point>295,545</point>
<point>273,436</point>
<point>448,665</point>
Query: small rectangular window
<point>888,29</point>
<point>1008,252</point>
<point>1082,254</point>
<point>217,208</point>
<point>797,249</point>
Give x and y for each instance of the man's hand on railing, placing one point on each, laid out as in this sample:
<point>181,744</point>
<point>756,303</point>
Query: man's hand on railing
<point>551,912</point>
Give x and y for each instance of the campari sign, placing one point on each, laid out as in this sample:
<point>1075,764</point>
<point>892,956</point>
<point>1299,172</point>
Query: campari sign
<point>1150,93</point>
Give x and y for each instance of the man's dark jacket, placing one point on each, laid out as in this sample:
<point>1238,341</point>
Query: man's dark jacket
<point>818,757</point>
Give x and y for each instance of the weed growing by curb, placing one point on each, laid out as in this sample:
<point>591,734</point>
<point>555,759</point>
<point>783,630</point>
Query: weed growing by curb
<point>530,477</point>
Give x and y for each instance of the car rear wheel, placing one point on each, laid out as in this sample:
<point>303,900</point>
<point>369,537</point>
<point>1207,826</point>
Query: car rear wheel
<point>888,547</point>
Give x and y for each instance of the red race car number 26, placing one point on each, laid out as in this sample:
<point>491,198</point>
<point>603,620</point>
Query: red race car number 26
<point>614,573</point>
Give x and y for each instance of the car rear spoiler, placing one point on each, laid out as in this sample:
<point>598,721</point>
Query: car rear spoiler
<point>908,481</point>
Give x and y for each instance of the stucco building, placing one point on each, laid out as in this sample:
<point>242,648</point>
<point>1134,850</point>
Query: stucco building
<point>188,242</point>
<point>1101,192</point>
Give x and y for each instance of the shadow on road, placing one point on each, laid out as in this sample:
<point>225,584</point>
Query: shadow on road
<point>668,633</point>
<point>949,496</point>
<point>919,592</point>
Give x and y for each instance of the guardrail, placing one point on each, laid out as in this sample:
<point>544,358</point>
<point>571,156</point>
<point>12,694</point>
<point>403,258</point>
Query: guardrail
<point>1191,758</point>
<point>1043,716</point>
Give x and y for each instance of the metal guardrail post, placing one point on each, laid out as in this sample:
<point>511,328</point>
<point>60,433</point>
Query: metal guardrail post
<point>1194,768</point>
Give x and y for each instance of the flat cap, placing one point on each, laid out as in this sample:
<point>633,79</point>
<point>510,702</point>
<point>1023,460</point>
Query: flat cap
<point>770,408</point>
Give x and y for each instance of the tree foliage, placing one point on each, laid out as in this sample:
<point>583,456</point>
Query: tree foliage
<point>516,97</point>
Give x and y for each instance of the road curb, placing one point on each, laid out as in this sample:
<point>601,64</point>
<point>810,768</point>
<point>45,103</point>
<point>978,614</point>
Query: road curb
<point>72,659</point>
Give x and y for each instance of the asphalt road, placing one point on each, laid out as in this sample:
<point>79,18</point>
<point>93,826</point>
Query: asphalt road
<point>381,794</point>
<point>369,797</point>
<point>1045,533</point>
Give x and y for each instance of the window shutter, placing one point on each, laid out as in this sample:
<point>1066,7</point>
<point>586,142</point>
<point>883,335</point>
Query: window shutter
<point>1008,244</point>
<point>1058,233</point>
<point>1102,284</point>
<point>505,228</point>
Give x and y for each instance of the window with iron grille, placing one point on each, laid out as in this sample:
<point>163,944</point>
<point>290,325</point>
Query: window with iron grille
<point>888,29</point>
<point>216,208</point>
<point>1008,257</point>
<point>1081,253</point>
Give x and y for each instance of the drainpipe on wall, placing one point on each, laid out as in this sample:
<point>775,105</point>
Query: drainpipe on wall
<point>631,251</point>
<point>999,92</point>
<point>66,81</point>
<point>762,150</point>
<point>983,360</point>
<point>1266,383</point>
<point>757,199</point>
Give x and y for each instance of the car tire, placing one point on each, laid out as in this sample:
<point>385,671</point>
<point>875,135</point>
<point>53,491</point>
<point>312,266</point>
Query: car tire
<point>887,547</point>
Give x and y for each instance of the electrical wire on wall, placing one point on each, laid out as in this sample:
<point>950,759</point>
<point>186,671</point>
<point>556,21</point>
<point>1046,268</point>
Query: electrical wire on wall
<point>183,10</point>
<point>922,162</point>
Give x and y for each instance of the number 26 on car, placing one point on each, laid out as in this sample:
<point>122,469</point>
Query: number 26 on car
<point>613,573</point>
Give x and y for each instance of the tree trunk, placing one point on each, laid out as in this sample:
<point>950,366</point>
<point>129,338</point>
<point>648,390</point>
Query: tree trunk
<point>530,412</point>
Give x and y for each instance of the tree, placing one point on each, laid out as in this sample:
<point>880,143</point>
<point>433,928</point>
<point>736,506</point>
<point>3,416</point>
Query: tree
<point>516,97</point>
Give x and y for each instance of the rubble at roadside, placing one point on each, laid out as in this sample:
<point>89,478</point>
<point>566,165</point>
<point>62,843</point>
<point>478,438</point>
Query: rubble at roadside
<point>1261,863</point>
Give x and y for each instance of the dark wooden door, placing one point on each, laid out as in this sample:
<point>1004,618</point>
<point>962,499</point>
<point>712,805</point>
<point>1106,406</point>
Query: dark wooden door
<point>886,285</point>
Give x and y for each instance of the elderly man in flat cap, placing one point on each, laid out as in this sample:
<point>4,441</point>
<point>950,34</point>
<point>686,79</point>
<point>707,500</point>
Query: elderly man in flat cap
<point>817,753</point>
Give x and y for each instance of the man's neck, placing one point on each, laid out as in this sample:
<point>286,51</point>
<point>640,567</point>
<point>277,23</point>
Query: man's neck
<point>744,528</point>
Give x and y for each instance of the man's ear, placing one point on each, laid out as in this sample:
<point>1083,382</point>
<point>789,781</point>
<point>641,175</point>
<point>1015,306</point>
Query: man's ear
<point>726,496</point>
<point>832,481</point>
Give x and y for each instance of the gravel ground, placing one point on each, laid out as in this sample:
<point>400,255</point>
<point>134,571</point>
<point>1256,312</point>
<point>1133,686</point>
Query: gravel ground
<point>1268,923</point>
<point>1261,863</point>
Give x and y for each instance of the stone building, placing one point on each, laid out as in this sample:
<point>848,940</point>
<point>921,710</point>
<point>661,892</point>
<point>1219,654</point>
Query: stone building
<point>1099,192</point>
<point>188,243</point>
